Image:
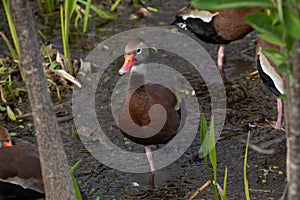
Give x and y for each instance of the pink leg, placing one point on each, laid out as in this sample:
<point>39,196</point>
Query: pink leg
<point>220,58</point>
<point>150,159</point>
<point>279,110</point>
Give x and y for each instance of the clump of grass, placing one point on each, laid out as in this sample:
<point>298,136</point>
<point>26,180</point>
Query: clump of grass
<point>207,139</point>
<point>66,12</point>
<point>47,6</point>
<point>101,12</point>
<point>16,50</point>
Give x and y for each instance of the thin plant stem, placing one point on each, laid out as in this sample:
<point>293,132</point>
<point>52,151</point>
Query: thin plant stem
<point>9,46</point>
<point>245,169</point>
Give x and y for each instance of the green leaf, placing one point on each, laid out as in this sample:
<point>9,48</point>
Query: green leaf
<point>283,96</point>
<point>11,114</point>
<point>69,8</point>
<point>104,14</point>
<point>287,68</point>
<point>229,4</point>
<point>203,134</point>
<point>262,22</point>
<point>207,141</point>
<point>212,148</point>
<point>152,9</point>
<point>13,134</point>
<point>203,128</point>
<point>291,21</point>
<point>10,85</point>
<point>2,108</point>
<point>272,39</point>
<point>54,65</point>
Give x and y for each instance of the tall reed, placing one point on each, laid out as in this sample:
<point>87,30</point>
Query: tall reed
<point>65,17</point>
<point>17,53</point>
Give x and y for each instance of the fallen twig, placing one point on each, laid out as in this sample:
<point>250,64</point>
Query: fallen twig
<point>195,194</point>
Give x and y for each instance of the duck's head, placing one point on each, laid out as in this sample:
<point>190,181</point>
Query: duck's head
<point>5,140</point>
<point>136,52</point>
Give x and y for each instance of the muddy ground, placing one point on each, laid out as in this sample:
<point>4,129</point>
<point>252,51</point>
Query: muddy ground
<point>248,102</point>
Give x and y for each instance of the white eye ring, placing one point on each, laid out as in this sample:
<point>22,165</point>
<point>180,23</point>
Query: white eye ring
<point>138,51</point>
<point>182,25</point>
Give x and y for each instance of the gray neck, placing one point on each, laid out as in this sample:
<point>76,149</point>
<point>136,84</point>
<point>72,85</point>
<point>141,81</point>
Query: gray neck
<point>137,77</point>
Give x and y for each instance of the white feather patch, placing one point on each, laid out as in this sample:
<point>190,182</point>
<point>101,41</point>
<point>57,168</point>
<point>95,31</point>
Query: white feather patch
<point>271,72</point>
<point>204,15</point>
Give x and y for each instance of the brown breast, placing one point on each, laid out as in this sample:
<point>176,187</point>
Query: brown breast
<point>139,104</point>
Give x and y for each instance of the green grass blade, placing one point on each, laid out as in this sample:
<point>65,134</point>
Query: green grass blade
<point>13,32</point>
<point>225,183</point>
<point>206,144</point>
<point>115,5</point>
<point>213,157</point>
<point>63,34</point>
<point>86,15</point>
<point>65,23</point>
<point>203,128</point>
<point>14,36</point>
<point>212,150</point>
<point>68,11</point>
<point>76,187</point>
<point>45,52</point>
<point>9,46</point>
<point>245,169</point>
<point>203,134</point>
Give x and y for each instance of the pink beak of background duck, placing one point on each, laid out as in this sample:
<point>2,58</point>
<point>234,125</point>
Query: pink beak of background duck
<point>128,63</point>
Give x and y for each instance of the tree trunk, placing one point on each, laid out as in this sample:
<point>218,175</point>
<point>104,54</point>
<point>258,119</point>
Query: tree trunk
<point>55,170</point>
<point>293,129</point>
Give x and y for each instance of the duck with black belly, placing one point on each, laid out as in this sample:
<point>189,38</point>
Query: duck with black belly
<point>150,114</point>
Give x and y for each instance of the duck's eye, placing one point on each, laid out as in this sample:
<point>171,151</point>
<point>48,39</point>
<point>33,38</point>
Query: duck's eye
<point>138,51</point>
<point>182,25</point>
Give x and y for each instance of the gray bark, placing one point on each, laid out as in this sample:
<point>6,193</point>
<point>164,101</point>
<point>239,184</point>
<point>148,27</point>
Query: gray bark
<point>293,129</point>
<point>55,170</point>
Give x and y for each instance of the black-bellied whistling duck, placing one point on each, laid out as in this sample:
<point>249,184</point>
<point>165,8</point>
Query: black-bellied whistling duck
<point>270,77</point>
<point>19,162</point>
<point>136,119</point>
<point>217,27</point>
